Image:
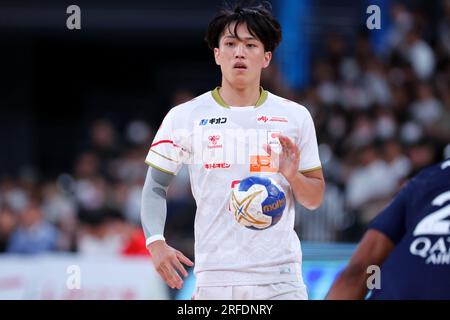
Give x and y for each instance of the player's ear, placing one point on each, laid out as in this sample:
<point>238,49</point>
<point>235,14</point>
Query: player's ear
<point>267,59</point>
<point>217,55</point>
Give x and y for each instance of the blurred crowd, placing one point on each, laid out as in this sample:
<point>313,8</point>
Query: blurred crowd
<point>380,117</point>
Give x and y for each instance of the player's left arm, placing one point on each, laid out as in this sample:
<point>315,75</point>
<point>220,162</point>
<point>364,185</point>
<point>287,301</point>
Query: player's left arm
<point>308,187</point>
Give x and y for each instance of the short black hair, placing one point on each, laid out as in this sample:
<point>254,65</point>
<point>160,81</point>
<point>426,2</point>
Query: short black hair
<point>259,19</point>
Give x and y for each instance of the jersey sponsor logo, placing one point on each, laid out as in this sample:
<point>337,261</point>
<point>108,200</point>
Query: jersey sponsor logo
<point>222,165</point>
<point>213,121</point>
<point>213,142</point>
<point>279,119</point>
<point>262,164</point>
<point>264,119</point>
<point>434,224</point>
<point>433,252</point>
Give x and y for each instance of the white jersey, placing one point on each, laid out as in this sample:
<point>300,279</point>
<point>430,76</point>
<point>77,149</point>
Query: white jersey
<point>222,145</point>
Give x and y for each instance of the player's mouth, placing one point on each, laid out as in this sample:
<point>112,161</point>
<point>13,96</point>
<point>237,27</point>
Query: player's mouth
<point>240,66</point>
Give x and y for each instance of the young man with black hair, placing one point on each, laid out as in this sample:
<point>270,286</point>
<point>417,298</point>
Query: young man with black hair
<point>225,135</point>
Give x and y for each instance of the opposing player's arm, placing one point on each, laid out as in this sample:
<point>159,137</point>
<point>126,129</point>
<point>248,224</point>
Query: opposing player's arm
<point>352,281</point>
<point>167,260</point>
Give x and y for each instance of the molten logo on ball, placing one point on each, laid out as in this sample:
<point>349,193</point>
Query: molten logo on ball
<point>257,202</point>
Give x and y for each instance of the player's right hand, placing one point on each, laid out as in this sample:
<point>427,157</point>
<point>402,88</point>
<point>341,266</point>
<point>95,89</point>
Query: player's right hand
<point>167,262</point>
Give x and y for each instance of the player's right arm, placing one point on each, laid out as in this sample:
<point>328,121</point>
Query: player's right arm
<point>167,260</point>
<point>352,282</point>
<point>165,159</point>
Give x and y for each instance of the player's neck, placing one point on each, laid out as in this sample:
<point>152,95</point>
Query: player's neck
<point>239,97</point>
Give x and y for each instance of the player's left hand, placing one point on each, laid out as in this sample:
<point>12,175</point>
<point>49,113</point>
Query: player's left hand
<point>287,159</point>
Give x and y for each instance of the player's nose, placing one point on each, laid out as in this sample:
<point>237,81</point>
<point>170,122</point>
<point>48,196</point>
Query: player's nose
<point>239,51</point>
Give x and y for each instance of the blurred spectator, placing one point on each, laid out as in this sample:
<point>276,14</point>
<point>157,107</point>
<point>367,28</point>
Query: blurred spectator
<point>272,80</point>
<point>102,232</point>
<point>105,144</point>
<point>335,48</point>
<point>419,54</point>
<point>421,154</point>
<point>104,140</point>
<point>130,167</point>
<point>370,181</point>
<point>385,124</point>
<point>399,165</point>
<point>105,232</point>
<point>426,110</point>
<point>327,89</point>
<point>444,28</point>
<point>328,221</point>
<point>34,234</point>
<point>353,94</point>
<point>91,194</point>
<point>135,245</point>
<point>57,207</point>
<point>363,132</point>
<point>376,83</point>
<point>411,132</point>
<point>402,22</point>
<point>8,221</point>
<point>138,132</point>
<point>87,166</point>
<point>181,96</point>
<point>60,210</point>
<point>132,206</point>
<point>12,195</point>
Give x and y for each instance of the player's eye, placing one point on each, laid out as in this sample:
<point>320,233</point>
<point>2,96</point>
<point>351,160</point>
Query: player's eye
<point>251,45</point>
<point>229,44</point>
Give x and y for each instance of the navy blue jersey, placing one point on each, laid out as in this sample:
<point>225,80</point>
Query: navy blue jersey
<point>418,222</point>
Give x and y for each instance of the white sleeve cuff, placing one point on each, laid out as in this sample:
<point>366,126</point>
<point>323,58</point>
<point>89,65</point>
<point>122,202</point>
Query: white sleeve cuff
<point>154,238</point>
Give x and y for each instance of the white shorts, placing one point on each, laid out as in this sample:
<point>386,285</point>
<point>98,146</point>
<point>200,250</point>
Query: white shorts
<point>273,291</point>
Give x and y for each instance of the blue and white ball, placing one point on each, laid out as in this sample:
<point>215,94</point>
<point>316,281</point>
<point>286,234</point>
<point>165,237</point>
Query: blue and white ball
<point>257,202</point>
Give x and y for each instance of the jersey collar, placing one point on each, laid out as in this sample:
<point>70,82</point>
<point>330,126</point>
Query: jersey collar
<point>262,98</point>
